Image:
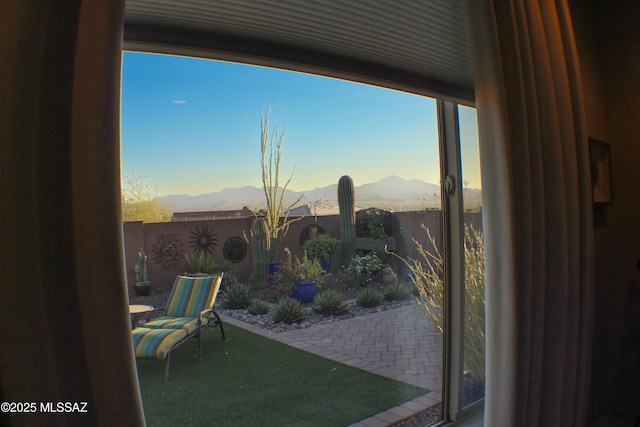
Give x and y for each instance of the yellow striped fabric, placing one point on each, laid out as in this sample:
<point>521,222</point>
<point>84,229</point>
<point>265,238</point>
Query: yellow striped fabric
<point>191,295</point>
<point>189,324</point>
<point>156,343</point>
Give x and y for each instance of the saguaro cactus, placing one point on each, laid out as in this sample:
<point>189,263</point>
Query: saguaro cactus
<point>260,244</point>
<point>346,201</point>
<point>142,274</point>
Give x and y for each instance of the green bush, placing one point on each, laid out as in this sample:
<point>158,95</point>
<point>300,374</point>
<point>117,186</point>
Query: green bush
<point>236,296</point>
<point>372,230</point>
<point>258,307</point>
<point>396,292</point>
<point>368,298</point>
<point>384,256</point>
<point>329,302</point>
<point>202,263</point>
<point>362,268</point>
<point>288,310</point>
<point>321,247</point>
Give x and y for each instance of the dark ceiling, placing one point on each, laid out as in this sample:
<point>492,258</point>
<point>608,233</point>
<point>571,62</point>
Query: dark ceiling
<point>421,46</point>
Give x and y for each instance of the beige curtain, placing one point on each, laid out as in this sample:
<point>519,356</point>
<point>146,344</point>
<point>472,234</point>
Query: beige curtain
<point>537,211</point>
<point>65,330</point>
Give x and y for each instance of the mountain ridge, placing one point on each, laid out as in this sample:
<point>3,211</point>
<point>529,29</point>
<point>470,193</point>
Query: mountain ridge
<point>389,192</point>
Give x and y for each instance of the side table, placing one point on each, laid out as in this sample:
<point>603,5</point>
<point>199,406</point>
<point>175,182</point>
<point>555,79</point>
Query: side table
<point>135,310</point>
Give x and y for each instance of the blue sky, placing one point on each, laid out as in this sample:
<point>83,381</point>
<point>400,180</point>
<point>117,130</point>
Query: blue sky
<point>193,126</point>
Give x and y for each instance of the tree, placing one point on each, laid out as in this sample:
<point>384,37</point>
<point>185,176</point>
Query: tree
<point>276,216</point>
<point>139,202</point>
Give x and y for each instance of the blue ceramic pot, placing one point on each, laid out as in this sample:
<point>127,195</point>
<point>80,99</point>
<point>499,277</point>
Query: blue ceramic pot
<point>304,292</point>
<point>409,275</point>
<point>273,269</point>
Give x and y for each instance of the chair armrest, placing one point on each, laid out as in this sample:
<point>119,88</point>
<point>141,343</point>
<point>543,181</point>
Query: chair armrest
<point>202,313</point>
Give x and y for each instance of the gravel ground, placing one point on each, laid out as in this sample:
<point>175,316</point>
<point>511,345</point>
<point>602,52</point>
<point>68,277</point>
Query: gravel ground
<point>421,419</point>
<point>313,319</point>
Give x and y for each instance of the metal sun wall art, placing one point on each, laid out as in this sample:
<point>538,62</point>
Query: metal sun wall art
<point>234,249</point>
<point>168,250</point>
<point>309,232</point>
<point>202,239</point>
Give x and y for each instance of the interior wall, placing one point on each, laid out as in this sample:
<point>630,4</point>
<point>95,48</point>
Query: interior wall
<point>608,40</point>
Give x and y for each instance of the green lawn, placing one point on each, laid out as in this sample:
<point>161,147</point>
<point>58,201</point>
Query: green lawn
<point>253,381</point>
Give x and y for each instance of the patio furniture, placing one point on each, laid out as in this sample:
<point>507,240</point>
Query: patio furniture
<point>189,310</point>
<point>135,310</point>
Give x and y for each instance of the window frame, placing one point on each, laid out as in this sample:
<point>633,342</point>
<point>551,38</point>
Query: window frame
<point>453,411</point>
<point>454,265</point>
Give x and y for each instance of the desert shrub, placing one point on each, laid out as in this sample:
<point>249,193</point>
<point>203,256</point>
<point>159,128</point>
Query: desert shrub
<point>202,263</point>
<point>368,298</point>
<point>384,256</point>
<point>288,310</point>
<point>396,292</point>
<point>258,307</point>
<point>428,280</point>
<point>236,296</point>
<point>329,302</point>
<point>362,269</point>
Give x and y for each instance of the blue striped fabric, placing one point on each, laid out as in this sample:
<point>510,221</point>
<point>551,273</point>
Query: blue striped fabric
<point>188,298</point>
<point>156,343</point>
<point>190,324</point>
<point>191,295</point>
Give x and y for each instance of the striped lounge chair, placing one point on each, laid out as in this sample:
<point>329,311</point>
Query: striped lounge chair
<point>189,310</point>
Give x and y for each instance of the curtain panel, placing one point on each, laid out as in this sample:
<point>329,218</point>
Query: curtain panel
<point>537,212</point>
<point>65,326</point>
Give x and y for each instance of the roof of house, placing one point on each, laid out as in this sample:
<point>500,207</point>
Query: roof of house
<point>209,215</point>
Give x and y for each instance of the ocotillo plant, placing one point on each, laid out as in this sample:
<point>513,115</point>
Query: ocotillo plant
<point>276,215</point>
<point>346,201</point>
<point>260,244</point>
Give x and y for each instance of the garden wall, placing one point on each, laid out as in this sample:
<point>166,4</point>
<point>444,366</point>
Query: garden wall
<point>166,243</point>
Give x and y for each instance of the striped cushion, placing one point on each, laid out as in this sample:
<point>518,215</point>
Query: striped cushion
<point>190,324</point>
<point>191,295</point>
<point>156,343</point>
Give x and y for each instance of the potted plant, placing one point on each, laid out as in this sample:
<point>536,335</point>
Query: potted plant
<point>298,278</point>
<point>142,287</point>
<point>321,247</point>
<point>200,264</point>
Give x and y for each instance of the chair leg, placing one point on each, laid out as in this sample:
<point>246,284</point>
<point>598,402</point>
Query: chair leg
<point>224,338</point>
<point>166,368</point>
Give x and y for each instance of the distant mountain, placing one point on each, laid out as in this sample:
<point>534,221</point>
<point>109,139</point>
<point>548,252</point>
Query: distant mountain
<point>394,188</point>
<point>392,192</point>
<point>226,199</point>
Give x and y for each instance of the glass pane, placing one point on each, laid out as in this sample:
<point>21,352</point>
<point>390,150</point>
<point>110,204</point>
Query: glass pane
<point>474,344</point>
<point>192,129</point>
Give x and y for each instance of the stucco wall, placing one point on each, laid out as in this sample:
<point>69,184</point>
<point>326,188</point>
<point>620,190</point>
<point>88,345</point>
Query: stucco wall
<point>153,237</point>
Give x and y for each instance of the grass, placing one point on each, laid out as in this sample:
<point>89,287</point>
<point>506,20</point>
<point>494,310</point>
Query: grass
<point>251,380</point>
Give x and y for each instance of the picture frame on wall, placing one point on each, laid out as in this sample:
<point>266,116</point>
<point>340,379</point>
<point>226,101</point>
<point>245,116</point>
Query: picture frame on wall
<point>600,159</point>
